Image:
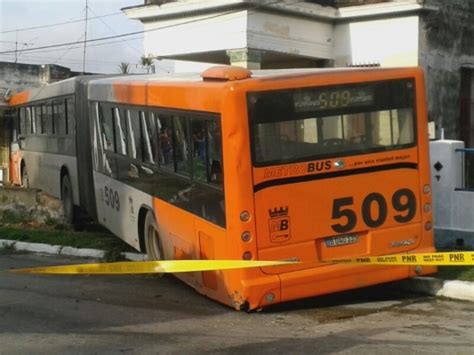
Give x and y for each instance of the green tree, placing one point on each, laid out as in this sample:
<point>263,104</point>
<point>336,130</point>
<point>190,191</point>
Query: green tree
<point>147,62</point>
<point>124,67</point>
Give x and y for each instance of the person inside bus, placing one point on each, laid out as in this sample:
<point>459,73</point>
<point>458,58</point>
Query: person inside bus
<point>165,145</point>
<point>215,152</point>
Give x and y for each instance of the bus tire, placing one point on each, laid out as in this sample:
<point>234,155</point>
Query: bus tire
<point>67,199</point>
<point>153,244</point>
<point>25,182</point>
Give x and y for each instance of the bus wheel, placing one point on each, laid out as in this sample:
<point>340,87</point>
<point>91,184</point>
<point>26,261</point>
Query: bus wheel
<point>152,238</point>
<point>67,200</point>
<point>25,182</point>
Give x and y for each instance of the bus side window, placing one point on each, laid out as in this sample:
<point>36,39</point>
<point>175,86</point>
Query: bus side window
<point>165,137</point>
<point>70,119</point>
<point>28,128</point>
<point>30,120</point>
<point>105,116</point>
<point>120,129</point>
<point>48,118</point>
<point>59,118</point>
<point>21,121</point>
<point>135,139</point>
<point>53,118</point>
<point>215,152</point>
<point>182,144</point>
<point>149,137</point>
<point>39,119</point>
<point>199,151</point>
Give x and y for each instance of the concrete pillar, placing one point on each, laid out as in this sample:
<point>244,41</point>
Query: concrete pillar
<point>246,58</point>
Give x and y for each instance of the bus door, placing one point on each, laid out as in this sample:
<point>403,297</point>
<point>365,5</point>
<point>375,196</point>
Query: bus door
<point>336,171</point>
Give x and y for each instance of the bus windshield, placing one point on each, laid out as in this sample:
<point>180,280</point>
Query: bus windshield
<point>296,125</point>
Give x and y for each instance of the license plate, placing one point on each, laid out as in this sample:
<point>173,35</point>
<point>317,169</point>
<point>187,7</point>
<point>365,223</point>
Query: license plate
<point>341,240</point>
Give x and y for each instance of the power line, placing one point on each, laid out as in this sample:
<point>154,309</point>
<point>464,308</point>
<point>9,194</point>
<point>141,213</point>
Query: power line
<point>73,61</point>
<point>85,41</point>
<point>142,31</point>
<point>60,23</point>
<point>23,43</point>
<point>79,46</point>
<point>66,52</point>
<point>124,40</point>
<point>115,33</point>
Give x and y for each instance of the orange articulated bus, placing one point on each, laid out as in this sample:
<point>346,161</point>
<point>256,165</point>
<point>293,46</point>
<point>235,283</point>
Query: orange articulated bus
<point>309,165</point>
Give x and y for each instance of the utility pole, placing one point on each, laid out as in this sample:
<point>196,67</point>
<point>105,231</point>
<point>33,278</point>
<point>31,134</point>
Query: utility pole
<point>85,40</point>
<point>16,46</point>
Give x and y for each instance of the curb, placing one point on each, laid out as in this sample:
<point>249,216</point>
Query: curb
<point>454,289</point>
<point>458,290</point>
<point>66,251</point>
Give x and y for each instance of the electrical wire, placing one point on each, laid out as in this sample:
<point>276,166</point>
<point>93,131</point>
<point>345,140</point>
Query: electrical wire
<point>113,31</point>
<point>145,31</point>
<point>60,23</point>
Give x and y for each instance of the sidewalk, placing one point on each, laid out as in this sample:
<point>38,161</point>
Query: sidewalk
<point>63,250</point>
<point>458,290</point>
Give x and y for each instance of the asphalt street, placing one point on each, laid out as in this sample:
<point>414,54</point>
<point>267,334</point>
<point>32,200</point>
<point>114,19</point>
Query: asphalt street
<point>150,314</point>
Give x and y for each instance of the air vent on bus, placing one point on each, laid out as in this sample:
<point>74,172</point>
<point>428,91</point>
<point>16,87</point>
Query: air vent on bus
<point>226,73</point>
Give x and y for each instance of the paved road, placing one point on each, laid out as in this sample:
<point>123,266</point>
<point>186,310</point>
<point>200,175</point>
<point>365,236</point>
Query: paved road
<point>148,314</point>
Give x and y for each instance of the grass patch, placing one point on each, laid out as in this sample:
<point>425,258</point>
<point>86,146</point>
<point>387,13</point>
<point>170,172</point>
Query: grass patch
<point>463,273</point>
<point>14,217</point>
<point>102,241</point>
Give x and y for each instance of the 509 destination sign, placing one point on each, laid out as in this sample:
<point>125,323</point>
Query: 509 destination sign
<point>333,98</point>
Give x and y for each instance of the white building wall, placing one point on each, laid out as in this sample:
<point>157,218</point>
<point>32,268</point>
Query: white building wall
<point>453,210</point>
<point>196,35</point>
<point>292,35</point>
<point>388,42</point>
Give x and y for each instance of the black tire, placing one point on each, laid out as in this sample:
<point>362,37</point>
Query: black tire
<point>153,244</point>
<point>25,182</point>
<point>67,199</point>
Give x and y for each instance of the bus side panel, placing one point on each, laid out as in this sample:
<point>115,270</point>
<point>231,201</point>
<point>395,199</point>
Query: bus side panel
<point>424,163</point>
<point>179,240</point>
<point>118,207</point>
<point>44,172</point>
<point>84,148</point>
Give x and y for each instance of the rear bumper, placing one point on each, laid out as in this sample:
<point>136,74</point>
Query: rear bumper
<point>324,280</point>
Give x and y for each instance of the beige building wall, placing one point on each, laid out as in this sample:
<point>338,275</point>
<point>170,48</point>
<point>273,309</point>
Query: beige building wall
<point>389,42</point>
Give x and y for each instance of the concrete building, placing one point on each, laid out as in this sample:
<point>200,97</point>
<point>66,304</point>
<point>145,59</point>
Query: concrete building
<point>435,34</point>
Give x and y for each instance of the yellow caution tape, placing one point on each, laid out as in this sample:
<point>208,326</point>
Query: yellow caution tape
<point>175,266</point>
<point>151,267</point>
<point>434,259</point>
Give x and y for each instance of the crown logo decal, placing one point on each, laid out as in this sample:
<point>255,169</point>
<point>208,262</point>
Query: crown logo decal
<point>278,212</point>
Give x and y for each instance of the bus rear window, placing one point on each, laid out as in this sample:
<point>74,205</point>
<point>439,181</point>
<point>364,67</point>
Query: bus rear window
<point>313,123</point>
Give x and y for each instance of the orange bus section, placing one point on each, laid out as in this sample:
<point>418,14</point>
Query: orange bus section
<point>302,165</point>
